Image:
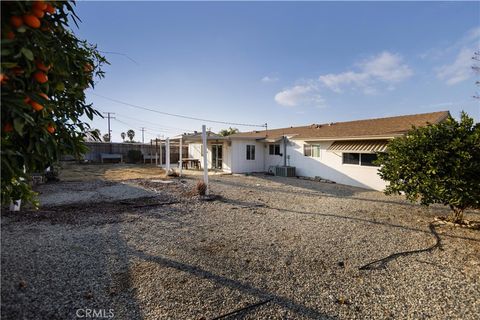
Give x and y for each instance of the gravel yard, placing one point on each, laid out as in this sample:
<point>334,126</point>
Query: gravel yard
<point>296,245</point>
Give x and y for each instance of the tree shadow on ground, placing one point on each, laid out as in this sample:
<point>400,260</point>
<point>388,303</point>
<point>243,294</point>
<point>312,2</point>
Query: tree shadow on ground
<point>339,192</point>
<point>261,294</point>
<point>253,205</point>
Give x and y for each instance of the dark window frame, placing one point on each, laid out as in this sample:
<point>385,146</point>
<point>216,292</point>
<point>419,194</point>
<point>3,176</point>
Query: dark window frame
<point>250,155</point>
<point>360,162</point>
<point>274,149</point>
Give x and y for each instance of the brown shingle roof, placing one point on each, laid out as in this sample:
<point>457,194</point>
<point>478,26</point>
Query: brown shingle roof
<point>384,127</point>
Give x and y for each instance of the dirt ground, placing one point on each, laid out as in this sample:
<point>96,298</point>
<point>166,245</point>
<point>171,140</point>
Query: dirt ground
<point>72,171</point>
<point>261,247</point>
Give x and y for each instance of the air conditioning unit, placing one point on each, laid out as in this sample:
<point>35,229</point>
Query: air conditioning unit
<point>285,171</point>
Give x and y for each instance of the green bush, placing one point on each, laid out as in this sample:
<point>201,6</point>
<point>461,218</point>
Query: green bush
<point>438,163</point>
<point>134,155</point>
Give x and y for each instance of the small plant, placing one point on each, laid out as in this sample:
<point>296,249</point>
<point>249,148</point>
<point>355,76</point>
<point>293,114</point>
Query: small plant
<point>201,188</point>
<point>134,155</point>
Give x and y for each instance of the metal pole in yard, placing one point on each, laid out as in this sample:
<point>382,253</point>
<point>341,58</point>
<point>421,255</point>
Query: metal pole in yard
<point>205,157</point>
<point>167,154</point>
<point>180,162</point>
<point>160,157</point>
<point>156,153</point>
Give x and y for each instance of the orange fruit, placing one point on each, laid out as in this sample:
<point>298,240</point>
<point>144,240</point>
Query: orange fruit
<point>3,78</point>
<point>16,21</point>
<point>39,5</point>
<point>36,106</point>
<point>31,21</point>
<point>44,96</point>
<point>8,127</point>
<point>41,66</point>
<point>51,129</point>
<point>40,76</point>
<point>38,13</point>
<point>87,67</point>
<point>50,9</point>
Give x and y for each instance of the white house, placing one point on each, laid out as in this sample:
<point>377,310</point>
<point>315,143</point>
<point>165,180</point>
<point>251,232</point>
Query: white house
<point>341,151</point>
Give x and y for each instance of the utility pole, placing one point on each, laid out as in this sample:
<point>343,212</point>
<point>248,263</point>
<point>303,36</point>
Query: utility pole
<point>109,116</point>
<point>143,131</point>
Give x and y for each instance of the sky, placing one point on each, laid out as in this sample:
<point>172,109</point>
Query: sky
<point>280,63</point>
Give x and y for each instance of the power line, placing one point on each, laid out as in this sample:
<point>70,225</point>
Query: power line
<point>178,115</point>
<point>157,129</point>
<point>153,123</point>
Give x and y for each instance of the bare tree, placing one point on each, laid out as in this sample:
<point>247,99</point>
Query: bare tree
<point>476,69</point>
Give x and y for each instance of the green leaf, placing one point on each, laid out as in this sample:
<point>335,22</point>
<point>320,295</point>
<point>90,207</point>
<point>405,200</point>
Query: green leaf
<point>18,124</point>
<point>27,53</point>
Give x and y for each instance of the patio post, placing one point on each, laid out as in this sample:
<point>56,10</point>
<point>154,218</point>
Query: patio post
<point>205,157</point>
<point>180,163</point>
<point>160,157</point>
<point>167,154</point>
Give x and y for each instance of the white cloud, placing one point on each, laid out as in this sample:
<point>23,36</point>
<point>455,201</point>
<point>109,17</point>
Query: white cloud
<point>299,95</point>
<point>459,70</point>
<point>268,79</point>
<point>386,67</point>
<point>334,81</point>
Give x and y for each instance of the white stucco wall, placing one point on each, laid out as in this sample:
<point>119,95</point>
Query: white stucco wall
<point>195,151</point>
<point>272,159</point>
<point>238,154</point>
<point>329,166</point>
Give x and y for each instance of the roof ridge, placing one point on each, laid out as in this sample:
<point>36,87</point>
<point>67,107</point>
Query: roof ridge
<point>444,114</point>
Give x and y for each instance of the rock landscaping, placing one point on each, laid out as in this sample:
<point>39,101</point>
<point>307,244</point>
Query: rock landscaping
<point>262,247</point>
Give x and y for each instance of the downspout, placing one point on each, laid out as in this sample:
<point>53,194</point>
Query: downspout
<point>284,151</point>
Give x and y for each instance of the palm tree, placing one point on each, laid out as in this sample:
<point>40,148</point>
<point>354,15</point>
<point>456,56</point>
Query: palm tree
<point>131,134</point>
<point>227,132</point>
<point>123,135</point>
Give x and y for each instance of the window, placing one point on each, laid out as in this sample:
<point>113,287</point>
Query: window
<point>316,150</point>
<point>311,150</point>
<point>274,149</point>
<point>368,158</point>
<point>250,152</point>
<point>307,150</point>
<point>363,159</point>
<point>351,158</point>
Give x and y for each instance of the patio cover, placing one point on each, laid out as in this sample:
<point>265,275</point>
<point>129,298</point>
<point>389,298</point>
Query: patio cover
<point>359,146</point>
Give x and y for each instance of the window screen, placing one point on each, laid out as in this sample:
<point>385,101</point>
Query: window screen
<point>351,158</point>
<point>368,158</point>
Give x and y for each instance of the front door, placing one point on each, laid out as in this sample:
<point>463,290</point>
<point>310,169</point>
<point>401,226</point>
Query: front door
<point>217,156</point>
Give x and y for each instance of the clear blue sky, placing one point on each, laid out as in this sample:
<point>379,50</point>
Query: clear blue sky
<point>280,63</point>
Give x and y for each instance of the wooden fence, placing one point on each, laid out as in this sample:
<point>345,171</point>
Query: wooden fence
<point>97,148</point>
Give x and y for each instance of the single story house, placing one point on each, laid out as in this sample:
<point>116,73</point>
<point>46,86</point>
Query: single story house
<point>339,151</point>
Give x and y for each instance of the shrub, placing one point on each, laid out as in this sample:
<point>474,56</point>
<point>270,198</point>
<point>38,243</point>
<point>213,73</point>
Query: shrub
<point>134,155</point>
<point>201,188</point>
<point>436,164</point>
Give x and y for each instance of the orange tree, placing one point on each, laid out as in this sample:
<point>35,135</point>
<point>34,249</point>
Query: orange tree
<point>45,70</point>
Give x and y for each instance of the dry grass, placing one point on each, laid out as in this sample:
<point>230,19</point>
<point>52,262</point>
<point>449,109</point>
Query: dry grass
<point>111,172</point>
